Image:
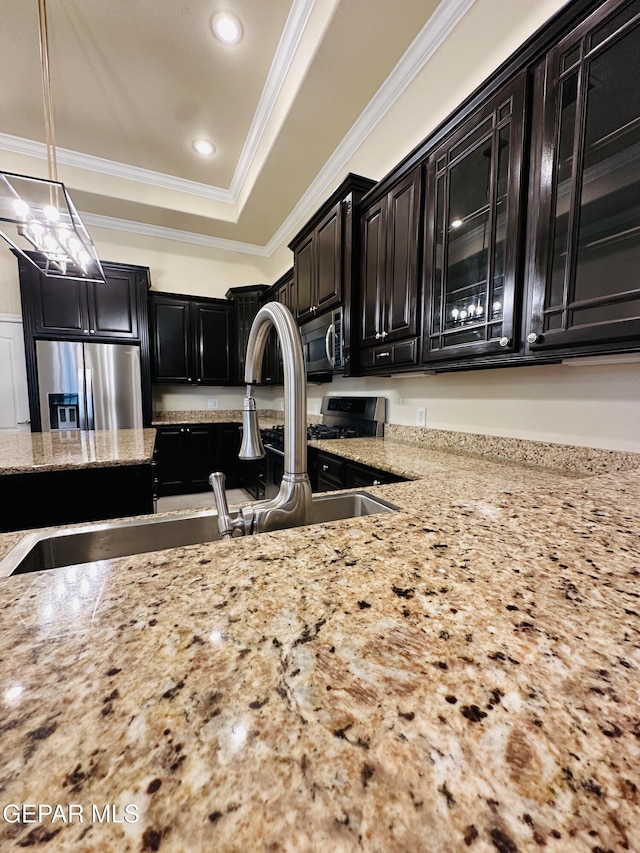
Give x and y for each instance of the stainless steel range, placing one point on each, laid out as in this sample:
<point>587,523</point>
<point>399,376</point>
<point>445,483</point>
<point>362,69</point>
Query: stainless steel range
<point>342,417</point>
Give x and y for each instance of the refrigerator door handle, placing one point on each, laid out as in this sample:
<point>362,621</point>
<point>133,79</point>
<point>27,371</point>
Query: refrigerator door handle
<point>88,385</point>
<point>82,402</point>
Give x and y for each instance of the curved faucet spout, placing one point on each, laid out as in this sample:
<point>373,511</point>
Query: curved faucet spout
<point>292,505</point>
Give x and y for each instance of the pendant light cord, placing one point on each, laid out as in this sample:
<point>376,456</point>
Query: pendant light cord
<point>50,135</point>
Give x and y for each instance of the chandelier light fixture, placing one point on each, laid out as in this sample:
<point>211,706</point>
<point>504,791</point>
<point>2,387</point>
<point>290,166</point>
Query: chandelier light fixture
<point>44,217</point>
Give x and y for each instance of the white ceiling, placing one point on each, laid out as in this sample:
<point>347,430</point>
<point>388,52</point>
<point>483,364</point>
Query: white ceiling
<point>134,82</point>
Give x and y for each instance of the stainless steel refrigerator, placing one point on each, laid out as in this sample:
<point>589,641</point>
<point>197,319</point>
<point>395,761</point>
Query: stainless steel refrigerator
<point>89,386</point>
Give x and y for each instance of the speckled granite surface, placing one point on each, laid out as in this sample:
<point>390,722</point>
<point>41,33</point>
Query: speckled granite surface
<point>22,452</point>
<point>462,674</point>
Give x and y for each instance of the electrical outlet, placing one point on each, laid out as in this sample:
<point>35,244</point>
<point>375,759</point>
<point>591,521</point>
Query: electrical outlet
<point>212,402</point>
<point>421,416</point>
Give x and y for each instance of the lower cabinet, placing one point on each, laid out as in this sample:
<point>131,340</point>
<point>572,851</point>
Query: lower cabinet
<point>47,498</point>
<point>187,453</point>
<point>328,473</point>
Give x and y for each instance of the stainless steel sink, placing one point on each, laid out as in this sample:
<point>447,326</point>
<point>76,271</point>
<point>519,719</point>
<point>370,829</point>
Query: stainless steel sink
<point>72,546</point>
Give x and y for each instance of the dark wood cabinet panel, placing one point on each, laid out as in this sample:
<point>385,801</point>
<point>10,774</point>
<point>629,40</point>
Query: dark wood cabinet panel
<point>473,225</point>
<point>584,289</point>
<point>326,255</point>
<point>171,460</point>
<point>201,456</point>
<point>191,340</point>
<point>390,281</point>
<point>282,291</point>
<point>329,472</point>
<point>246,304</point>
<point>170,339</point>
<point>188,453</point>
<point>60,309</point>
<point>212,343</point>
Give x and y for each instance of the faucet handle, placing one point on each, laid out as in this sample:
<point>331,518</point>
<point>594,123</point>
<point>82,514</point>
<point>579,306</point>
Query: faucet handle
<point>225,524</point>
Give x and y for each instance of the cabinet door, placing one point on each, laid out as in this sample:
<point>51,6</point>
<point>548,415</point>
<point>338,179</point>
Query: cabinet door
<point>59,306</point>
<point>172,460</point>
<point>328,238</point>
<point>228,446</point>
<point>474,190</point>
<point>304,274</point>
<point>401,275</point>
<point>585,285</point>
<point>200,456</point>
<point>113,306</point>
<point>212,343</point>
<point>373,273</point>
<point>170,339</point>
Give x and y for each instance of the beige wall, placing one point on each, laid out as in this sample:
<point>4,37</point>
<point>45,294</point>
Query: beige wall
<point>596,405</point>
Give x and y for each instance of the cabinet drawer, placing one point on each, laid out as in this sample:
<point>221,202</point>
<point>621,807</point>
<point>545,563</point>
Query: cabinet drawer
<point>330,469</point>
<point>403,353</point>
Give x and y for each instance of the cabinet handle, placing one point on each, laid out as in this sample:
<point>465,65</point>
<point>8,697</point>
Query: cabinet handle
<point>198,380</point>
<point>383,354</point>
<point>376,483</point>
<point>504,342</point>
<point>325,467</point>
<point>181,429</point>
<point>534,338</point>
<point>378,336</point>
<point>384,335</point>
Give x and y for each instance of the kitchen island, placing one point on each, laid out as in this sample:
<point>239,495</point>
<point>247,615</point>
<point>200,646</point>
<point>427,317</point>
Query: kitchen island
<point>460,674</point>
<point>74,475</point>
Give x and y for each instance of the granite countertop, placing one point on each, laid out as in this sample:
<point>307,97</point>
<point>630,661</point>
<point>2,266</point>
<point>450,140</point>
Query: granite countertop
<point>461,674</point>
<point>24,452</point>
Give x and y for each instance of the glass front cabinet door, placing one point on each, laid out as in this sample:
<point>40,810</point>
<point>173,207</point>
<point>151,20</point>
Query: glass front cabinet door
<point>471,244</point>
<point>585,269</point>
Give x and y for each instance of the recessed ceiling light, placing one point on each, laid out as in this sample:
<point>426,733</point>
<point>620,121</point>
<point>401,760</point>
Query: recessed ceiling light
<point>204,147</point>
<point>227,28</point>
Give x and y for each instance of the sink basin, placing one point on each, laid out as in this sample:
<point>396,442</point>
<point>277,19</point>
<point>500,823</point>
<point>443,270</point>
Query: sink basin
<point>93,542</point>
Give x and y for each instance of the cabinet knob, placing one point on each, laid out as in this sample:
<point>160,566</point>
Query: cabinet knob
<point>86,331</point>
<point>534,338</point>
<point>199,380</point>
<point>378,336</point>
<point>325,467</point>
<point>377,483</point>
<point>92,331</point>
<point>181,429</point>
<point>384,335</point>
<point>504,342</point>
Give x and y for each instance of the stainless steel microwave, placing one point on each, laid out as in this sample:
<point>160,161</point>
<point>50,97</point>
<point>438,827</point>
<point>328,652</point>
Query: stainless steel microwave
<point>322,344</point>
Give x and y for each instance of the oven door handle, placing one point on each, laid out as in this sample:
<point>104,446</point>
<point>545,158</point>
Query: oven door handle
<point>273,449</point>
<point>330,331</point>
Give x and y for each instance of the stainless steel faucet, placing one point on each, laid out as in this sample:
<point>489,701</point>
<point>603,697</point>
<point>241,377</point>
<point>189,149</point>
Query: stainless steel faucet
<point>292,505</point>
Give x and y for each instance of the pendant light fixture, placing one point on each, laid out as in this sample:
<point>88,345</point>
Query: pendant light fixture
<point>55,239</point>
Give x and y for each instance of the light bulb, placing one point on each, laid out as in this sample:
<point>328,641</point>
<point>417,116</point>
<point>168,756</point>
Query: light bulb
<point>227,28</point>
<point>83,259</point>
<point>456,223</point>
<point>472,310</point>
<point>52,213</point>
<point>64,235</point>
<point>479,309</point>
<point>463,315</point>
<point>74,245</point>
<point>36,230</point>
<point>21,208</point>
<point>50,242</point>
<point>204,147</point>
<point>455,313</point>
<point>497,306</point>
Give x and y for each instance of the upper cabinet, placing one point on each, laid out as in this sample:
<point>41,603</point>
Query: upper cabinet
<point>390,291</point>
<point>585,205</point>
<point>323,251</point>
<point>191,339</point>
<point>474,182</point>
<point>247,301</point>
<point>60,308</point>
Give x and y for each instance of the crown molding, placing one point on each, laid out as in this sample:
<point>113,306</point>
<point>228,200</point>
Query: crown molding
<point>294,28</point>
<point>18,145</point>
<point>163,233</point>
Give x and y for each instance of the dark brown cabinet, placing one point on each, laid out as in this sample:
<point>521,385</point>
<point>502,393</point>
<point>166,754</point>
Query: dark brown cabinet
<point>187,454</point>
<point>191,340</point>
<point>103,310</point>
<point>585,293</point>
<point>282,291</point>
<point>246,303</point>
<point>474,186</point>
<point>326,254</point>
<point>390,285</point>
<point>329,472</point>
